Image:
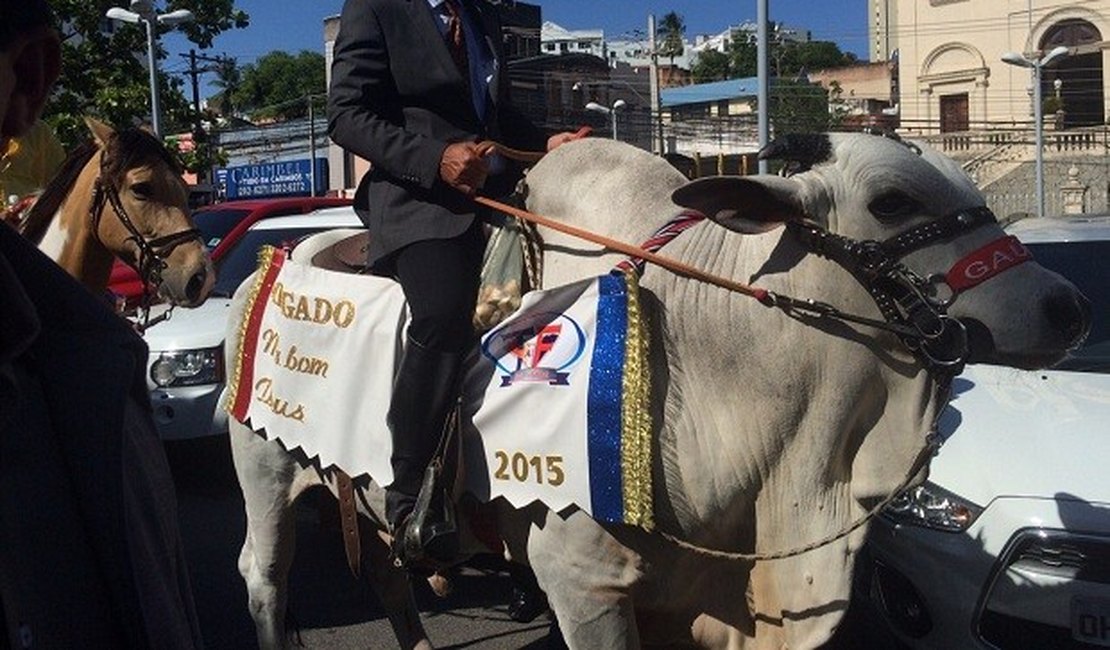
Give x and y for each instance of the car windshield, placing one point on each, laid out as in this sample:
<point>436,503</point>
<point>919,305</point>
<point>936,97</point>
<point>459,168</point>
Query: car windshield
<point>1084,263</point>
<point>242,259</point>
<point>215,224</point>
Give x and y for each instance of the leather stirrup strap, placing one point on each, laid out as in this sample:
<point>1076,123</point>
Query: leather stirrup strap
<point>348,519</point>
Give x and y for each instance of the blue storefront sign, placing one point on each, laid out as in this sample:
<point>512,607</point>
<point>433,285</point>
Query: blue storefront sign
<point>286,178</point>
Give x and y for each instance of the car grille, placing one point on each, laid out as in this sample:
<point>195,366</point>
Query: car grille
<point>1067,556</point>
<point>1047,552</point>
<point>1010,633</point>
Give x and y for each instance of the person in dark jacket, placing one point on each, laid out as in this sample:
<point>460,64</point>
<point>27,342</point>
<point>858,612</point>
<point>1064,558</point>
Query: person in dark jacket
<point>90,552</point>
<point>416,85</point>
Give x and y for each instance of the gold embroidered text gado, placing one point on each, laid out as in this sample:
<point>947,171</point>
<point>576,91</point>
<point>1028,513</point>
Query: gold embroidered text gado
<point>321,311</point>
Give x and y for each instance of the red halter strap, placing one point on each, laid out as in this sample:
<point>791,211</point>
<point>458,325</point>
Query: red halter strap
<point>984,263</point>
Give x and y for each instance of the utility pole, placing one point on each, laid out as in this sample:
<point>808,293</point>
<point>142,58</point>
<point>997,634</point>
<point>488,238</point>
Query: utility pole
<point>311,146</point>
<point>195,71</point>
<point>762,93</point>
<point>656,103</point>
<point>194,75</point>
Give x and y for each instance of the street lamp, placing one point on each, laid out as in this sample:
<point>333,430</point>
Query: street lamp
<point>1036,65</point>
<point>607,110</point>
<point>142,11</point>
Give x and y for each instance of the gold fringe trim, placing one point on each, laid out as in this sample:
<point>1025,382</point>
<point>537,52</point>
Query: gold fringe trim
<point>265,259</point>
<point>635,416</point>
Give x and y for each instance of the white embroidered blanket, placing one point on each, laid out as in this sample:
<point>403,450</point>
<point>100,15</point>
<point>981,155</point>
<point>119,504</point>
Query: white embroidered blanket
<point>554,398</point>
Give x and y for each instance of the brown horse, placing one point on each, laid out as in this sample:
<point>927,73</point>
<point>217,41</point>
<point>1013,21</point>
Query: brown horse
<point>121,194</point>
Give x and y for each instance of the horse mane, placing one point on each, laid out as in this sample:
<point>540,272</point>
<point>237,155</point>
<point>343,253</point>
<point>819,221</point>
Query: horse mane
<point>126,149</point>
<point>42,213</point>
<point>130,148</point>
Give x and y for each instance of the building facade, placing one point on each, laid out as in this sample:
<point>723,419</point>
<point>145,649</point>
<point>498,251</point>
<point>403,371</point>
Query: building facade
<point>951,74</point>
<point>555,39</point>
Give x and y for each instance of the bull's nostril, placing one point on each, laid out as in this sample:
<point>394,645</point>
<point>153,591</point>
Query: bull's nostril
<point>195,286</point>
<point>1069,314</point>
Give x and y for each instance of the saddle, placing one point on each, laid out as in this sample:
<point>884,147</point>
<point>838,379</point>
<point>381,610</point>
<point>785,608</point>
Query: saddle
<point>348,255</point>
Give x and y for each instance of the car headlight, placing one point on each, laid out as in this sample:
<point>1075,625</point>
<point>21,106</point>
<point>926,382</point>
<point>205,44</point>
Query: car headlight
<point>188,367</point>
<point>933,507</point>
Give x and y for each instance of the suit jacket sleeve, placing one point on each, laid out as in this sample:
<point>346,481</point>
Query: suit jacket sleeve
<point>364,112</point>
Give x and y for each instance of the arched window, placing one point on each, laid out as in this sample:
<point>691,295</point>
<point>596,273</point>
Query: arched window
<point>1079,92</point>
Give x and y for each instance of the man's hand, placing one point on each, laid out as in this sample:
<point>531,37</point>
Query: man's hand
<point>565,137</point>
<point>464,167</point>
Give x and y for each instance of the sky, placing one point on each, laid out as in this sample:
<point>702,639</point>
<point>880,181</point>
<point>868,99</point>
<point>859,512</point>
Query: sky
<point>296,25</point>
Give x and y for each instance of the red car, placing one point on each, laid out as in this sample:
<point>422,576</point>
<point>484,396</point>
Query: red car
<point>221,225</point>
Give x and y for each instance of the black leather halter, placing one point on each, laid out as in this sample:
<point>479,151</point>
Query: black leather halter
<point>908,302</point>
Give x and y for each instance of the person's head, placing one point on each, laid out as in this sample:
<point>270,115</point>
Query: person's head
<point>30,60</point>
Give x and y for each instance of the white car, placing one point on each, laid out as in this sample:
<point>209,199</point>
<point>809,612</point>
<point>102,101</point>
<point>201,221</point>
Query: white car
<point>186,368</point>
<point>1007,545</point>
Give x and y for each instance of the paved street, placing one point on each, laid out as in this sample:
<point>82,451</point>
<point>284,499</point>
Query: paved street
<point>331,608</point>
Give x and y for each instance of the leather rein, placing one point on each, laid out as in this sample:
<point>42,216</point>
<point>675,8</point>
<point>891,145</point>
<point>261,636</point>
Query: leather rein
<point>910,303</point>
<point>152,252</point>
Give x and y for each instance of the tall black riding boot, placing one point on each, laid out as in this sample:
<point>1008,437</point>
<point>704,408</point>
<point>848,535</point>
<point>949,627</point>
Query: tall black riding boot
<point>424,392</point>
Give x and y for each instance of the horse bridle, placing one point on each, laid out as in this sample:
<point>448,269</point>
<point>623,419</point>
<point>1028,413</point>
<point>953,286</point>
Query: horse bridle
<point>152,252</point>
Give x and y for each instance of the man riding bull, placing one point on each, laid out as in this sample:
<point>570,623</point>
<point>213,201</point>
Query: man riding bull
<point>415,86</point>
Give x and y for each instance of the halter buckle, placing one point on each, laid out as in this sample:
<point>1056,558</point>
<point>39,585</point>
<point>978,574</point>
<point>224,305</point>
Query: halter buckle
<point>949,349</point>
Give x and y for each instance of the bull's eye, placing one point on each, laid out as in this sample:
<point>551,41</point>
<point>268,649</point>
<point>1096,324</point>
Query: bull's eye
<point>893,205</point>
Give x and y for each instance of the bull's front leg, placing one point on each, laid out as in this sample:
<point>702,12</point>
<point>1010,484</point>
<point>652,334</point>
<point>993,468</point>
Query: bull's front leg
<point>266,474</point>
<point>588,577</point>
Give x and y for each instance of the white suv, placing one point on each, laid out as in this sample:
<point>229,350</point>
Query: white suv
<point>1007,545</point>
<point>186,367</point>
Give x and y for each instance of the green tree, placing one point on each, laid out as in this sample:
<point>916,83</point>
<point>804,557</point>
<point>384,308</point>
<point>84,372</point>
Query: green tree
<point>674,34</point>
<point>786,58</point>
<point>813,55</point>
<point>104,74</point>
<point>799,107</point>
<point>228,80</point>
<point>275,87</point>
<point>710,65</point>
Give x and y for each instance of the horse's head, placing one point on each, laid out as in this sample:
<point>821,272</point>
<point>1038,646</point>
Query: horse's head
<point>141,213</point>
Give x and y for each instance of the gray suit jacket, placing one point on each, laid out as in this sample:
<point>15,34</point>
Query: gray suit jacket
<point>397,100</point>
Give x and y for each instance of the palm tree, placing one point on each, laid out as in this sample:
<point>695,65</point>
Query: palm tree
<point>228,80</point>
<point>674,32</point>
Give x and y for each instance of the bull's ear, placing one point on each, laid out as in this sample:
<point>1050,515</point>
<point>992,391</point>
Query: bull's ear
<point>747,204</point>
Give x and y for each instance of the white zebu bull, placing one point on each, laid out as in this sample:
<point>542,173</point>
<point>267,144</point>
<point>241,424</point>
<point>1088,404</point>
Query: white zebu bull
<point>772,430</point>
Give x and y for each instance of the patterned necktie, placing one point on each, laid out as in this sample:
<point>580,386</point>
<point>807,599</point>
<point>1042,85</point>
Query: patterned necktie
<point>456,40</point>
